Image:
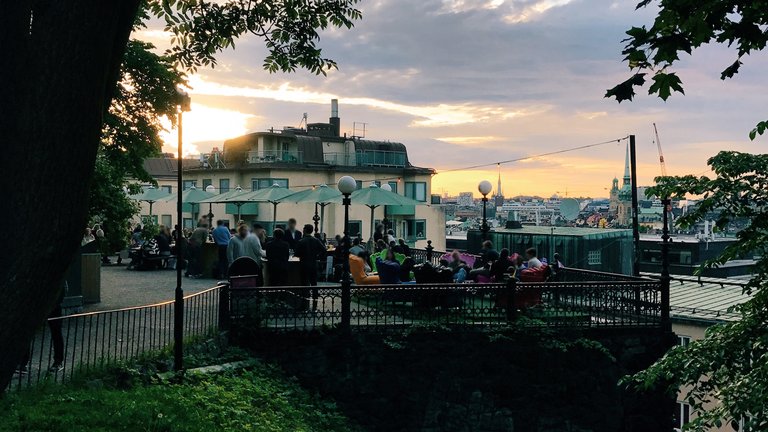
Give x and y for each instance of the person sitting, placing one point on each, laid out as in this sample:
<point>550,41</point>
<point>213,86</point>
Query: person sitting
<point>388,268</point>
<point>406,250</point>
<point>380,245</point>
<point>533,261</point>
<point>487,254</point>
<point>357,269</point>
<point>356,247</point>
<point>456,261</point>
<point>163,241</point>
<point>87,237</point>
<point>500,267</point>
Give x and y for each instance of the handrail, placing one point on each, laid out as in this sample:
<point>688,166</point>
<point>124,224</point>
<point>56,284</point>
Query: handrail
<point>132,308</point>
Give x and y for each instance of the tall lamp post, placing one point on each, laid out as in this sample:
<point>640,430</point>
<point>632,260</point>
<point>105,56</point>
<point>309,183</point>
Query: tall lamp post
<point>184,104</point>
<point>347,185</point>
<point>485,188</point>
<point>385,221</point>
<point>211,189</point>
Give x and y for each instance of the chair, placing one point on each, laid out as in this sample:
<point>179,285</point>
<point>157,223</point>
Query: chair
<point>383,255</point>
<point>357,269</point>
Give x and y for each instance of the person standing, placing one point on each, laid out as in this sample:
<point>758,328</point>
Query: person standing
<point>277,258</point>
<point>244,244</point>
<point>221,237</point>
<point>196,241</point>
<point>292,235</point>
<point>309,250</point>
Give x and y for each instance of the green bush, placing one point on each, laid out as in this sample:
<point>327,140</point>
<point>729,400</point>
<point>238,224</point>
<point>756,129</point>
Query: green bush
<point>252,400</point>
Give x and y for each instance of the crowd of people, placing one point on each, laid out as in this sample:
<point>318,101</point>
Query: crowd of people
<point>493,265</point>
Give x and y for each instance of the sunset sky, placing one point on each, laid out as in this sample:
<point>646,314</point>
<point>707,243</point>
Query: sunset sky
<point>464,82</point>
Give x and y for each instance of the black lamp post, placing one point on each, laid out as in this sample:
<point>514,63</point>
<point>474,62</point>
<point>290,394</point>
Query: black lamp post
<point>347,185</point>
<point>211,189</point>
<point>485,188</point>
<point>178,305</point>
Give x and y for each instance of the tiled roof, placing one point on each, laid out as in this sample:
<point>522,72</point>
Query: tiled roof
<point>163,167</point>
<point>704,298</point>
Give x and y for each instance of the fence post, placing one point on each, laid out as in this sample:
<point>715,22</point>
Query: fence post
<point>224,312</point>
<point>429,250</point>
<point>665,278</point>
<point>511,289</point>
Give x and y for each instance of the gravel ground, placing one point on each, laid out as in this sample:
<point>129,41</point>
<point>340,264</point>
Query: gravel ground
<point>125,288</point>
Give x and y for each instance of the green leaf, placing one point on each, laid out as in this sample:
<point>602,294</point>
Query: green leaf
<point>731,70</point>
<point>625,90</point>
<point>664,84</point>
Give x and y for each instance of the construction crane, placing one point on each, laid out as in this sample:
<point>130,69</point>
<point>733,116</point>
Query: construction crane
<point>661,154</point>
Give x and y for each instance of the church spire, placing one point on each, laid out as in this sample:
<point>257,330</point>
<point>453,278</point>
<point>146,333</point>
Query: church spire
<point>627,177</point>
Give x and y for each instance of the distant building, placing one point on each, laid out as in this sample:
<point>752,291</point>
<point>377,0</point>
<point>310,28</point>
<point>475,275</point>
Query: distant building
<point>607,250</point>
<point>466,199</point>
<point>621,198</point>
<point>687,253</point>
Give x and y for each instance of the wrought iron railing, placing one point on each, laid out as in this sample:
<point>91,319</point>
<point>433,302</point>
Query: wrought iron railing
<point>67,345</point>
<point>271,156</point>
<point>629,303</point>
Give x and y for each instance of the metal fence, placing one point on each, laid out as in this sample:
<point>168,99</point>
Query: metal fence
<point>67,345</point>
<point>614,304</point>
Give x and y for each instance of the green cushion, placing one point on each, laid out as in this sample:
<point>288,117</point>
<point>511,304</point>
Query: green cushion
<point>383,254</point>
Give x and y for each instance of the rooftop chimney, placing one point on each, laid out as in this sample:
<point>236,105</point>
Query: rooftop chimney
<point>335,121</point>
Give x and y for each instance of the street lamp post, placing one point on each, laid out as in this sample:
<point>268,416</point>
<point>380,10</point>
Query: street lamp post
<point>347,185</point>
<point>178,304</point>
<point>385,221</point>
<point>211,189</point>
<point>485,188</point>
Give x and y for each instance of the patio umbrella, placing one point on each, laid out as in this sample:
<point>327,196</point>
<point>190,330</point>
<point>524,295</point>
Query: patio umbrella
<point>192,196</point>
<point>232,197</point>
<point>321,195</point>
<point>373,196</point>
<point>272,195</point>
<point>151,195</point>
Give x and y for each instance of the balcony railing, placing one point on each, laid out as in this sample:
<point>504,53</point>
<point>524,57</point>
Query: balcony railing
<point>275,156</point>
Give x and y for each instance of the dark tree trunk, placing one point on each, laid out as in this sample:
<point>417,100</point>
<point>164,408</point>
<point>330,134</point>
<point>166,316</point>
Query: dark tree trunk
<point>57,74</point>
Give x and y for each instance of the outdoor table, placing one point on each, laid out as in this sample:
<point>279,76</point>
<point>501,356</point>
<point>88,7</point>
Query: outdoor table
<point>293,276</point>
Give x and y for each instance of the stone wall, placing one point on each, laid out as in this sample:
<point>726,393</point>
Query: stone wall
<point>432,380</point>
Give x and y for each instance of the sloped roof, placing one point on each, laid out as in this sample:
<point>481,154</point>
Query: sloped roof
<point>163,167</point>
<point>704,299</point>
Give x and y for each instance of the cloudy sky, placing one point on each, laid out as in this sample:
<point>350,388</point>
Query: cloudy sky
<point>465,82</point>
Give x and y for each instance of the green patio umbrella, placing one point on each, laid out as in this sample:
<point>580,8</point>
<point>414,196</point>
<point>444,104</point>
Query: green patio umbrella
<point>151,195</point>
<point>192,196</point>
<point>272,195</point>
<point>373,196</point>
<point>232,197</point>
<point>321,195</point>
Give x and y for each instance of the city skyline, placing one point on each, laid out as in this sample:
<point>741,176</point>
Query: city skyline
<point>480,82</point>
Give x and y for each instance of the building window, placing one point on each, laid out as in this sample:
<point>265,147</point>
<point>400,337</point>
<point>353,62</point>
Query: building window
<point>683,341</point>
<point>355,228</point>
<point>393,185</point>
<point>189,183</point>
<point>223,185</point>
<point>595,257</point>
<point>167,221</point>
<point>263,183</point>
<point>206,183</point>
<point>359,184</point>
<point>416,191</point>
<point>168,189</point>
<point>189,223</point>
<point>416,229</point>
<point>682,415</point>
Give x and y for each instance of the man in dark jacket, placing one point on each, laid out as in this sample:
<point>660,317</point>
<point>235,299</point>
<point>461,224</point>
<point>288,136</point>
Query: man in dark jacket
<point>309,250</point>
<point>292,235</point>
<point>278,254</point>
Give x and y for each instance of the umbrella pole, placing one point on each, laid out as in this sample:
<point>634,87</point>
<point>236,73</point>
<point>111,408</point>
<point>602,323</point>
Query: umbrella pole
<point>274,216</point>
<point>373,228</point>
<point>322,217</point>
<point>150,209</point>
<point>238,212</point>
<point>316,218</point>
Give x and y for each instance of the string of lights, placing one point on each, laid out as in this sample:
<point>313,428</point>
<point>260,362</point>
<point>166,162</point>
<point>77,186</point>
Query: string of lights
<point>483,165</point>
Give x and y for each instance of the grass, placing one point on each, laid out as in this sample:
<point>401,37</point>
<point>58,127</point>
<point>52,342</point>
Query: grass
<point>261,399</point>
